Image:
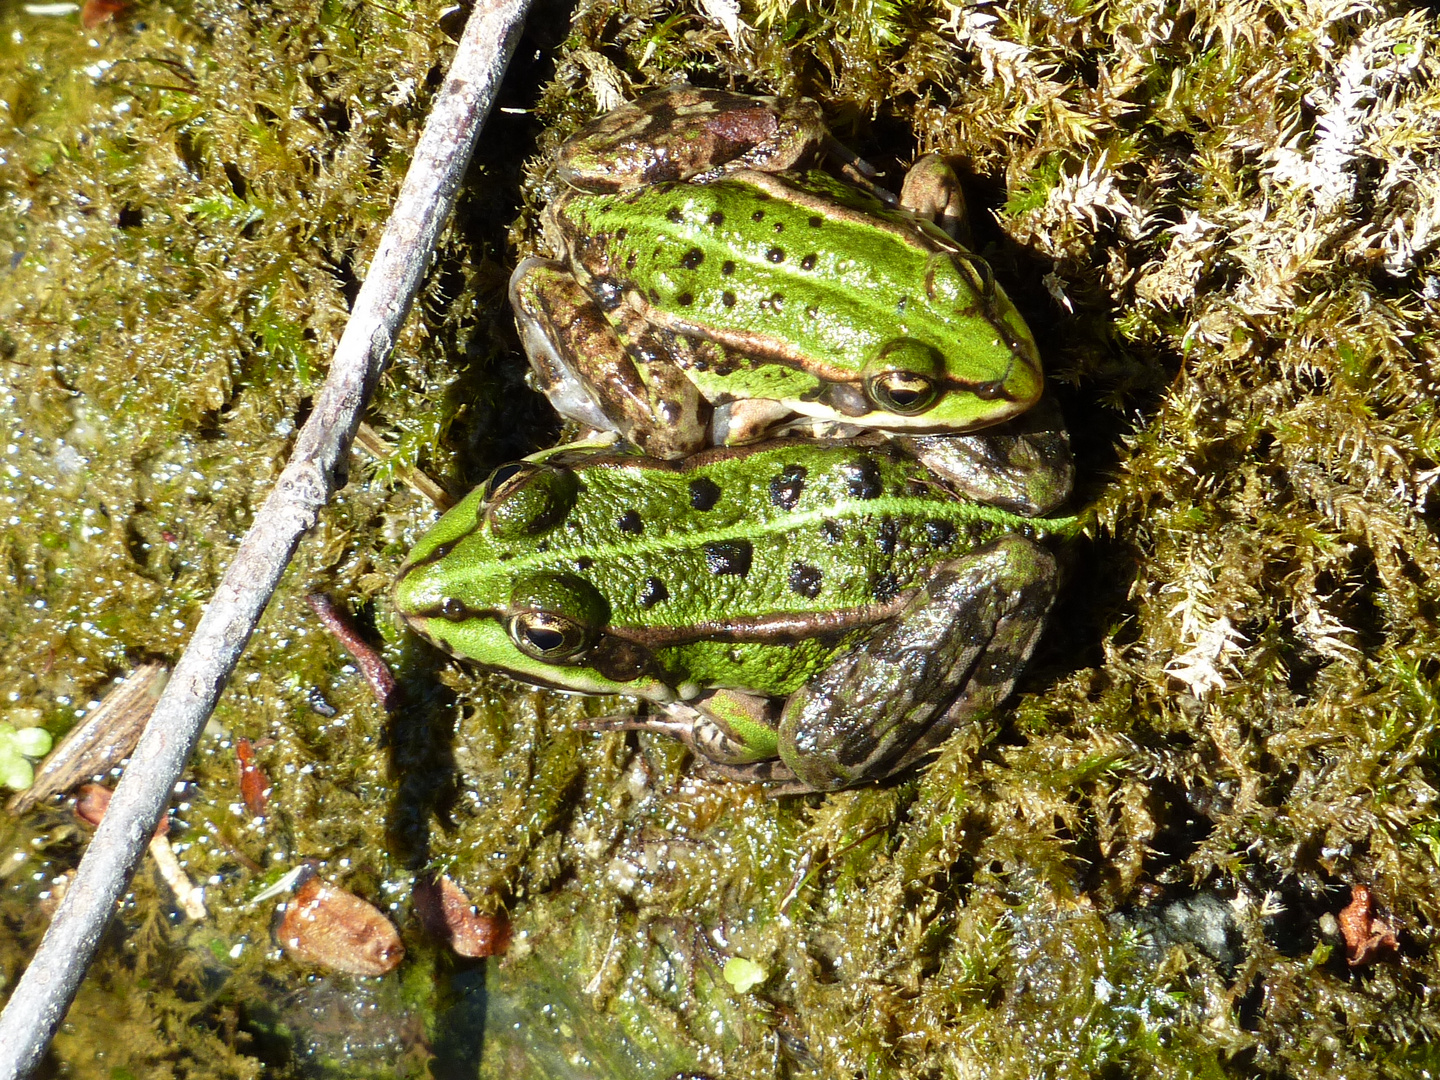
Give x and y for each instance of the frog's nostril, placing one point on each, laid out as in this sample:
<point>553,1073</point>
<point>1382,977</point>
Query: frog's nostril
<point>990,391</point>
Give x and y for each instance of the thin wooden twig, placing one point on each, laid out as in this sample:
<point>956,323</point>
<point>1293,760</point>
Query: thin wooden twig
<point>43,994</point>
<point>368,440</point>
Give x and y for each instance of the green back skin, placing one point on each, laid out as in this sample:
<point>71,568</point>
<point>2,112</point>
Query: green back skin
<point>740,568</point>
<point>818,283</point>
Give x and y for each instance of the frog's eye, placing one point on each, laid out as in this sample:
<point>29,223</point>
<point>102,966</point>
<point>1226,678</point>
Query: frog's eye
<point>545,635</point>
<point>556,616</point>
<point>904,377</point>
<point>903,392</point>
<point>526,499</point>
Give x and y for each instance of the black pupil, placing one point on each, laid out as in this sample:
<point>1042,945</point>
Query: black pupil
<point>544,639</point>
<point>906,393</point>
<point>903,398</point>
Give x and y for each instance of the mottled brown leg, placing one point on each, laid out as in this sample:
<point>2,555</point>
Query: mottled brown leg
<point>627,386</point>
<point>952,655</point>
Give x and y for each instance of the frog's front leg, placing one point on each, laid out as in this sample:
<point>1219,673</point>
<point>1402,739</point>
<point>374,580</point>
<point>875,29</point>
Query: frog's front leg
<point>731,733</point>
<point>932,191</point>
<point>951,655</point>
<point>637,390</point>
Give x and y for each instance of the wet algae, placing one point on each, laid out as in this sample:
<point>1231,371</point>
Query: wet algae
<point>1219,218</point>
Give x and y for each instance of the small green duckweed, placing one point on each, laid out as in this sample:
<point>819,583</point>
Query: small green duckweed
<point>18,749</point>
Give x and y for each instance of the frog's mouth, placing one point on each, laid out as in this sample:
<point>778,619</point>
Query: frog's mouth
<point>918,398</point>
<point>613,665</point>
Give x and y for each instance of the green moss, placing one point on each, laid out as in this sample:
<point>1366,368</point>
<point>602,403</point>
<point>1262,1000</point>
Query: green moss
<point>1215,218</point>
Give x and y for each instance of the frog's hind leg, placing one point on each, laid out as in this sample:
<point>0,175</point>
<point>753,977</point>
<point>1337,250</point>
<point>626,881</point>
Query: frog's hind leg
<point>1023,465</point>
<point>632,386</point>
<point>950,656</point>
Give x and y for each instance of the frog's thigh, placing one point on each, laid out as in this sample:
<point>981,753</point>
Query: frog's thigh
<point>654,406</point>
<point>953,652</point>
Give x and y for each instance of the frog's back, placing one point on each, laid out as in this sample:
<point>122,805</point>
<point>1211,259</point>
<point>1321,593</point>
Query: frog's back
<point>728,261</point>
<point>729,540</point>
<point>801,289</point>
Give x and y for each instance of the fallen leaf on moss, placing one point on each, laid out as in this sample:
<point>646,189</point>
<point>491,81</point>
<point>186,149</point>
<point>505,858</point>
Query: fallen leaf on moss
<point>1367,939</point>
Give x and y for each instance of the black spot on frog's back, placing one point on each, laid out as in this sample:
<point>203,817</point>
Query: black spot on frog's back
<point>885,587</point>
<point>729,557</point>
<point>653,592</point>
<point>887,535</point>
<point>704,494</point>
<point>787,486</point>
<point>862,478</point>
<point>940,533</point>
<point>630,523</point>
<point>806,580</point>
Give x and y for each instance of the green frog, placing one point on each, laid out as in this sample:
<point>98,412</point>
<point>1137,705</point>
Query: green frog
<point>707,290</point>
<point>814,614</point>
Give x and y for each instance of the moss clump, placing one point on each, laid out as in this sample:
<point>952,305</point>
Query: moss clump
<point>1218,218</point>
